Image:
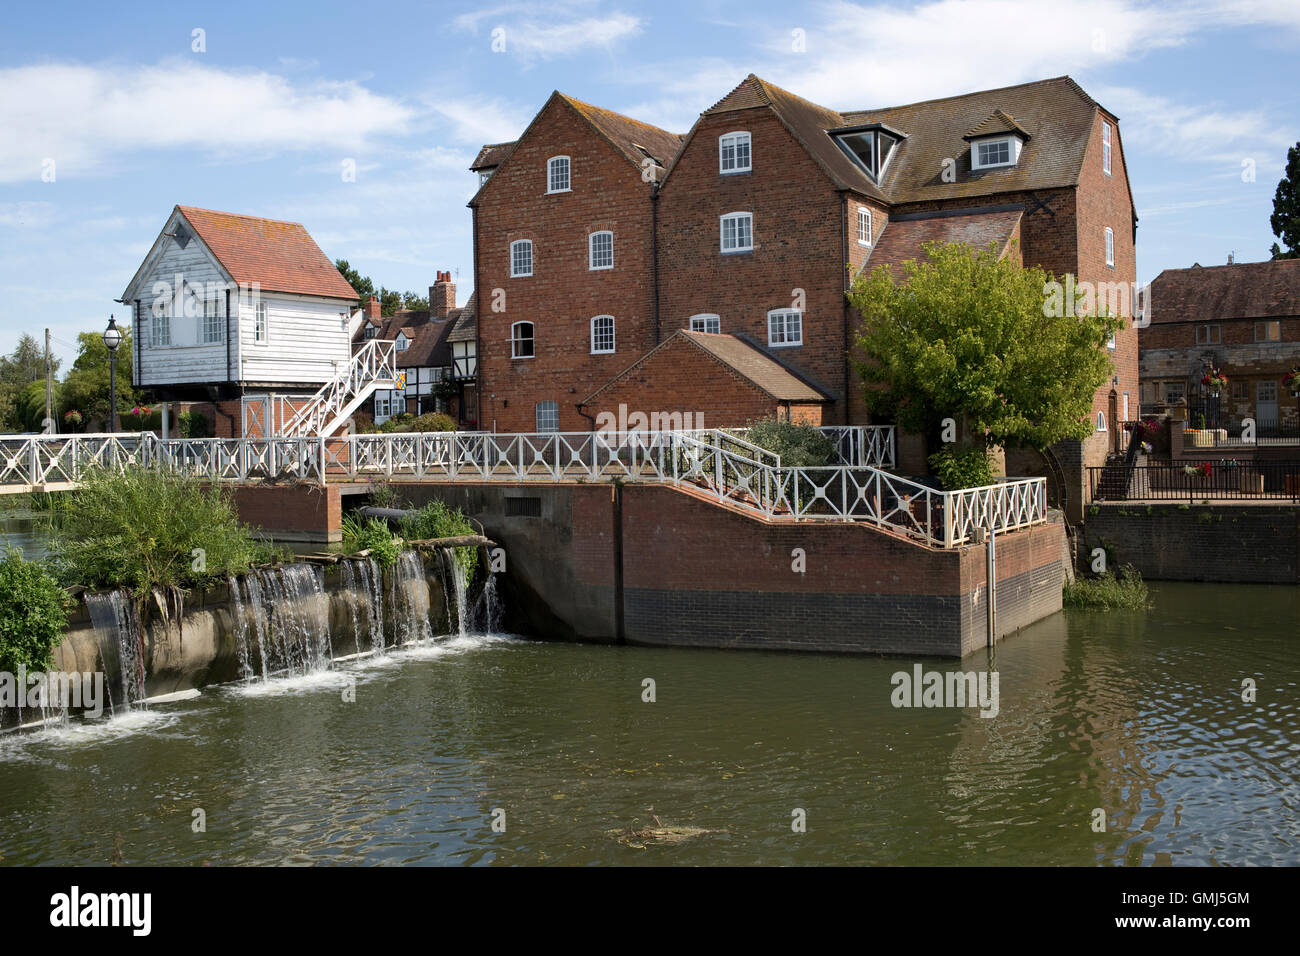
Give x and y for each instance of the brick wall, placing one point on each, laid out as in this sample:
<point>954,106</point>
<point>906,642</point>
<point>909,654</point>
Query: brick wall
<point>798,244</point>
<point>297,512</point>
<point>563,294</point>
<point>1247,543</point>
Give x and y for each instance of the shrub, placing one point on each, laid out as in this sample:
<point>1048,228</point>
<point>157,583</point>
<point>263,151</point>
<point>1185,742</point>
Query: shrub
<point>194,425</point>
<point>958,468</point>
<point>370,535</point>
<point>432,422</point>
<point>397,423</point>
<point>436,520</point>
<point>33,614</point>
<point>800,446</point>
<point>1108,591</point>
<point>145,528</point>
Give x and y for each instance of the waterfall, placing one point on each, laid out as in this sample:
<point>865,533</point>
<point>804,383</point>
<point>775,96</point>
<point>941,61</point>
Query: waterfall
<point>350,581</point>
<point>117,626</point>
<point>289,614</point>
<point>488,611</point>
<point>453,574</point>
<point>410,600</point>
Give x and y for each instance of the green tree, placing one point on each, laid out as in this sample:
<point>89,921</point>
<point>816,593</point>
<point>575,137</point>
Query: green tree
<point>18,370</point>
<point>1286,208</point>
<point>87,384</point>
<point>969,336</point>
<point>390,300</point>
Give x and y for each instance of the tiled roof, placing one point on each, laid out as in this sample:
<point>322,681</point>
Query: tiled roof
<point>465,328</point>
<point>1244,290</point>
<point>627,134</point>
<point>429,339</point>
<point>1057,112</point>
<point>740,356</point>
<point>904,235</point>
<point>490,157</point>
<point>997,122</point>
<point>279,256</point>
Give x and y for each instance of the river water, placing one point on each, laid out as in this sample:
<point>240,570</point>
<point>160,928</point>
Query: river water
<point>1137,715</point>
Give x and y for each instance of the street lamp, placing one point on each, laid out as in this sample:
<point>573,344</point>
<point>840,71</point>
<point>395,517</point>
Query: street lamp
<point>112,339</point>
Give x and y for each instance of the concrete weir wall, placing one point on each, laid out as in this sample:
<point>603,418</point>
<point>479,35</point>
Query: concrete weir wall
<point>653,565</point>
<point>201,647</point>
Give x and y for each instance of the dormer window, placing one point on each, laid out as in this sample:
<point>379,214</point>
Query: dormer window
<point>483,176</point>
<point>991,153</point>
<point>871,147</point>
<point>996,142</point>
<point>401,343</point>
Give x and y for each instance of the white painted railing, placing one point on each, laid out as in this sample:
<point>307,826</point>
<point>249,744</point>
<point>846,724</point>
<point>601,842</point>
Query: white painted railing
<point>373,366</point>
<point>721,466</point>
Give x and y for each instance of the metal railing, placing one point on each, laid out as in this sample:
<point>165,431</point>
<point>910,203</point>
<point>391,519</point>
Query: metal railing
<point>1215,480</point>
<point>721,466</point>
<point>372,366</point>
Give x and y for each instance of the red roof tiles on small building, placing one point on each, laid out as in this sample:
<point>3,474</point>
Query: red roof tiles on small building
<point>278,256</point>
<point>1244,290</point>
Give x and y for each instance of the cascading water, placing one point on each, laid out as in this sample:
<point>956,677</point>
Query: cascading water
<point>283,622</point>
<point>117,627</point>
<point>488,609</point>
<point>454,585</point>
<point>410,600</point>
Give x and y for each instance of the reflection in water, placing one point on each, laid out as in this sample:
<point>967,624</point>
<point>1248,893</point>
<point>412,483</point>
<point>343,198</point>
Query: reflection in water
<point>1139,715</point>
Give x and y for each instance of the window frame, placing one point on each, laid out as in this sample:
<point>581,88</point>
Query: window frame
<point>1207,328</point>
<point>213,331</point>
<point>521,242</point>
<point>739,136</point>
<point>516,340</point>
<point>261,324</point>
<point>554,407</point>
<point>591,250</point>
<point>400,342</point>
<point>717,321</point>
<point>786,343</point>
<point>1101,422</point>
<point>613,341</point>
<point>551,166</point>
<point>1266,324</point>
<point>160,321</point>
<point>1012,143</point>
<point>1110,248</point>
<point>1105,148</point>
<point>865,211</point>
<point>722,232</point>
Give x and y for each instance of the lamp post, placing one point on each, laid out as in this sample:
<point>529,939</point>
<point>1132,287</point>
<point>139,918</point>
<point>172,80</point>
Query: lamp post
<point>112,339</point>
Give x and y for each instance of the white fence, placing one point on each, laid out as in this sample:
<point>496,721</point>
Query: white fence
<point>721,465</point>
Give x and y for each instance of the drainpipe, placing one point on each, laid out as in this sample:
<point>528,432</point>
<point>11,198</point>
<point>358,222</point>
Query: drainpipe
<point>844,288</point>
<point>654,253</point>
<point>228,334</point>
<point>590,418</point>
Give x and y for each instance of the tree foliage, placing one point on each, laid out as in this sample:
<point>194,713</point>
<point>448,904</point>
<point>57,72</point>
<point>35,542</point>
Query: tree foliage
<point>87,385</point>
<point>1286,208</point>
<point>967,335</point>
<point>19,370</point>
<point>390,300</point>
<point>33,614</point>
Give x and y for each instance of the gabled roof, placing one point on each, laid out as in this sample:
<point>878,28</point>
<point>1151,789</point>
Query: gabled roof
<point>1058,113</point>
<point>279,256</point>
<point>997,122</point>
<point>492,156</point>
<point>628,135</point>
<point>904,235</point>
<point>465,328</point>
<point>1244,290</point>
<point>430,338</point>
<point>740,356</point>
<point>807,123</point>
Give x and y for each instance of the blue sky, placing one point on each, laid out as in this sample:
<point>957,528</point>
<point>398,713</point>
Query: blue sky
<point>262,120</point>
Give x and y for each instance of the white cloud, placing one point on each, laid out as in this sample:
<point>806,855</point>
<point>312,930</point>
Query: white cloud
<point>532,31</point>
<point>84,117</point>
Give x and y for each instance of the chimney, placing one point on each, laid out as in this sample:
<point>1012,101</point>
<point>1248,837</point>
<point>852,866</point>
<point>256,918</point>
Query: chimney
<point>372,308</point>
<point>442,296</point>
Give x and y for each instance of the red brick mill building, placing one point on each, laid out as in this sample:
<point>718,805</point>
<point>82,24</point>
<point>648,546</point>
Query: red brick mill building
<point>620,264</point>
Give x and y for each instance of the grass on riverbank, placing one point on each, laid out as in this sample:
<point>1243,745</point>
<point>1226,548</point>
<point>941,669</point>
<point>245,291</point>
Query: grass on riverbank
<point>1108,592</point>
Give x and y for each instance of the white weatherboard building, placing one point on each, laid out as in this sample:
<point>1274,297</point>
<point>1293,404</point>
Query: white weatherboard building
<point>248,316</point>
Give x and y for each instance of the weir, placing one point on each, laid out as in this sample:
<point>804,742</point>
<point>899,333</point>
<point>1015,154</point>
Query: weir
<point>271,623</point>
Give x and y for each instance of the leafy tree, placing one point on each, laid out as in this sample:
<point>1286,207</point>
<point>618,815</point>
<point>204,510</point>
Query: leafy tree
<point>87,384</point>
<point>390,300</point>
<point>33,614</point>
<point>967,336</point>
<point>26,363</point>
<point>1286,208</point>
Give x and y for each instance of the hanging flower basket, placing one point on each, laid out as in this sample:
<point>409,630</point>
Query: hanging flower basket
<point>72,417</point>
<point>1291,380</point>
<point>1215,381</point>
